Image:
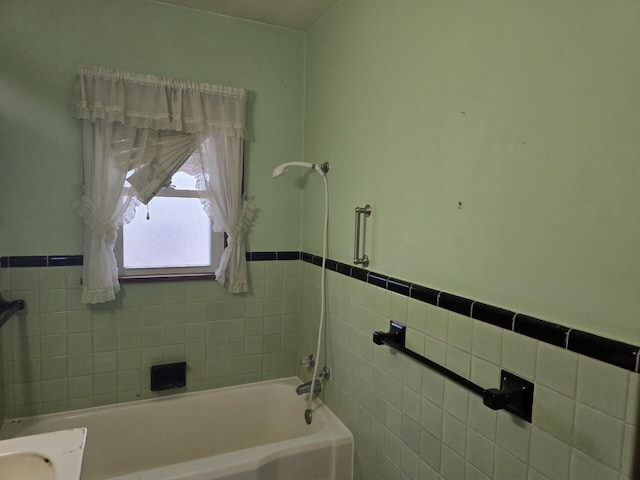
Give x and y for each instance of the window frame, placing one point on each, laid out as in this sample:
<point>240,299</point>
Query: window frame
<point>218,241</point>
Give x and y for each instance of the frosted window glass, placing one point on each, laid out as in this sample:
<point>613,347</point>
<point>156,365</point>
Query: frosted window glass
<point>185,178</point>
<point>183,181</point>
<point>178,234</point>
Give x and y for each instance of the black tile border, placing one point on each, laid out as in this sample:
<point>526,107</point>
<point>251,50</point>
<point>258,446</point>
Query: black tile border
<point>607,350</point>
<point>261,256</point>
<point>495,316</point>
<point>604,349</point>
<point>329,264</point>
<point>378,280</point>
<point>424,294</point>
<point>24,261</point>
<point>359,274</point>
<point>288,255</point>
<point>65,261</point>
<point>28,261</point>
<point>344,269</point>
<point>455,303</point>
<point>610,351</point>
<point>399,286</point>
<point>541,330</point>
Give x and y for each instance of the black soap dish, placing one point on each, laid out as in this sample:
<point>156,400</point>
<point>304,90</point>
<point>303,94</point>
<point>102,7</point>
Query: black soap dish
<point>168,376</point>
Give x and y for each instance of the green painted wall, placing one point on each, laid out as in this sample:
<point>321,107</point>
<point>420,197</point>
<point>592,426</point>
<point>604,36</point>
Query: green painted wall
<point>527,113</point>
<point>43,43</point>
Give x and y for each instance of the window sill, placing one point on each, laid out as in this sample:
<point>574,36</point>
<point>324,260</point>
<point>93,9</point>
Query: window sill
<point>166,278</point>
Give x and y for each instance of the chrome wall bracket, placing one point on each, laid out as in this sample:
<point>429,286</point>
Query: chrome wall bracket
<point>309,361</point>
<point>8,308</point>
<point>357,259</point>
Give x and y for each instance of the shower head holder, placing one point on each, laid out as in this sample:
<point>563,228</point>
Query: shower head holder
<point>321,168</point>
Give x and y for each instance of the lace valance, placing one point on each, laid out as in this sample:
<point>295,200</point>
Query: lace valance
<point>158,103</point>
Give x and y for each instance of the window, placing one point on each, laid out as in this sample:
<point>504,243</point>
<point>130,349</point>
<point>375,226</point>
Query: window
<point>132,119</point>
<point>173,236</point>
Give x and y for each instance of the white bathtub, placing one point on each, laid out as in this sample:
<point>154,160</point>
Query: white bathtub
<point>248,432</point>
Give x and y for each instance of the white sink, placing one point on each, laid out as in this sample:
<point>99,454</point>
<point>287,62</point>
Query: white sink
<point>46,456</point>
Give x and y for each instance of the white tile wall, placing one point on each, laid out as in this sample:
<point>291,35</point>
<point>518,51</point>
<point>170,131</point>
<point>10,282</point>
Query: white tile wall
<point>409,422</point>
<point>585,416</point>
<point>60,354</point>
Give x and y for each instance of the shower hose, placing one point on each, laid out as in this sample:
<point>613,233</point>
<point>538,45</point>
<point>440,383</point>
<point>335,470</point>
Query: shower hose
<point>308,414</point>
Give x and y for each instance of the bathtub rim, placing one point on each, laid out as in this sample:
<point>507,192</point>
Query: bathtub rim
<point>169,396</point>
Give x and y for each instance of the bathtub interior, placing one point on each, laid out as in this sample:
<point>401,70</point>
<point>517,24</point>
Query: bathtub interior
<point>152,434</point>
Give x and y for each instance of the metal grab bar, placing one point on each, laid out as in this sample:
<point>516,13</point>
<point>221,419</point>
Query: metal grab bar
<point>364,260</point>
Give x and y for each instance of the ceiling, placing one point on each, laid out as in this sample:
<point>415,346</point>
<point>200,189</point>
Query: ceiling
<point>296,14</point>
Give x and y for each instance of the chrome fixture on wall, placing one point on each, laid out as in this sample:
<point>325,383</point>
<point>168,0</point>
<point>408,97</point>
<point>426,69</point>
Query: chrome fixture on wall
<point>8,308</point>
<point>309,361</point>
<point>323,376</point>
<point>364,260</point>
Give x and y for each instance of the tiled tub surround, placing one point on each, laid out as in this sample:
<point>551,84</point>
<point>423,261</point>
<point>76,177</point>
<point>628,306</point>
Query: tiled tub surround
<point>408,421</point>
<point>60,354</point>
<point>610,351</point>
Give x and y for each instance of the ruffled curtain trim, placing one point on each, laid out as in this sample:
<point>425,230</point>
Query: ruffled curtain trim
<point>159,103</point>
<point>98,223</point>
<point>100,295</point>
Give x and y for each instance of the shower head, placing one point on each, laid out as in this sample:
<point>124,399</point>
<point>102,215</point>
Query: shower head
<point>282,168</point>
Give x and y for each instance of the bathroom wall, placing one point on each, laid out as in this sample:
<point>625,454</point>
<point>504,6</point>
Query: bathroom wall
<point>497,145</point>
<point>410,422</point>
<point>59,354</point>
<point>44,42</point>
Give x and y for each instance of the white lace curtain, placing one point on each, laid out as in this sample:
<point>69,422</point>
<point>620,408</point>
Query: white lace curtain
<point>152,125</point>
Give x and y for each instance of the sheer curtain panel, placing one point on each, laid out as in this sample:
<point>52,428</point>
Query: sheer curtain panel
<point>142,128</point>
<point>221,186</point>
